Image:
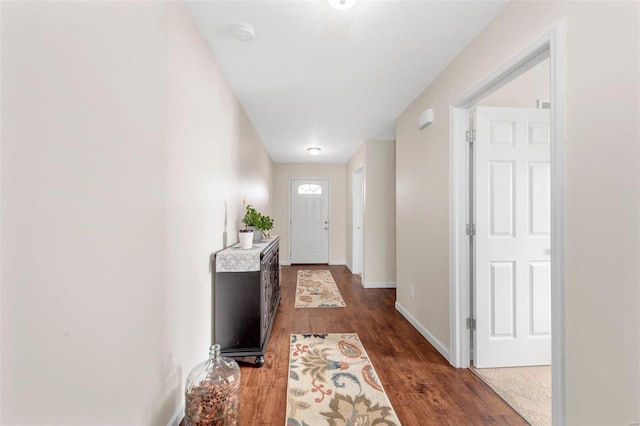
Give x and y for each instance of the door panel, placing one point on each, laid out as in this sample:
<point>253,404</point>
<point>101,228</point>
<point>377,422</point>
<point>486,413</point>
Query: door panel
<point>309,221</point>
<point>540,287</point>
<point>539,199</point>
<point>502,299</point>
<point>501,186</point>
<point>512,294</point>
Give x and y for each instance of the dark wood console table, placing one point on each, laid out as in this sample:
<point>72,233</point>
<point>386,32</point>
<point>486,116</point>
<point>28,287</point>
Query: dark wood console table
<point>246,294</point>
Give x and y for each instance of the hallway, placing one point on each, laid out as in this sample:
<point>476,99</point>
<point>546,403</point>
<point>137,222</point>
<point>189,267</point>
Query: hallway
<point>423,388</point>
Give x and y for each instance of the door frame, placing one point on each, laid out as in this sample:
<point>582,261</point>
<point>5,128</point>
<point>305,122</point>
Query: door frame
<point>328,180</point>
<point>549,45</point>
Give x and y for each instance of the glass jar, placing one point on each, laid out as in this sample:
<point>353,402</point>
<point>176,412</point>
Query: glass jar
<point>212,392</point>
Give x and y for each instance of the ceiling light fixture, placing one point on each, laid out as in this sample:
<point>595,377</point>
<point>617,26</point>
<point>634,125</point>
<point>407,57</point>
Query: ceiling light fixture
<point>342,4</point>
<point>314,150</point>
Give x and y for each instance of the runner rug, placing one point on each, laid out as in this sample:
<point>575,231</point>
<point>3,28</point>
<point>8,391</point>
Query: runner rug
<point>332,382</point>
<point>317,289</point>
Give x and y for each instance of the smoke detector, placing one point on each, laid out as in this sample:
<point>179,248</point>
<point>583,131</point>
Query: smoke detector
<point>342,4</point>
<point>243,31</point>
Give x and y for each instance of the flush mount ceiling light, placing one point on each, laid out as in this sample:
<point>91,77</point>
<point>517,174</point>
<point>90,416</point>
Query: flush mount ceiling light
<point>342,4</point>
<point>314,150</point>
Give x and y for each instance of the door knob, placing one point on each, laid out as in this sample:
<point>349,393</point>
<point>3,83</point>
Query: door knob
<point>326,228</point>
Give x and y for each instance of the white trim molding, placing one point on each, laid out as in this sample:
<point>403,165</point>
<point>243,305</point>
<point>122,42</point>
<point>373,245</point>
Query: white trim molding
<point>549,45</point>
<point>558,161</point>
<point>367,284</point>
<point>425,333</point>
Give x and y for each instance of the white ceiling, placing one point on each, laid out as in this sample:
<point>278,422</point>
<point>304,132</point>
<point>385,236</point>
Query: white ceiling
<point>317,76</point>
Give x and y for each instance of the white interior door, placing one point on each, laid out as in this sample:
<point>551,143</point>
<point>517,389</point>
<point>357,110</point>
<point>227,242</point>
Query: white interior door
<point>309,217</point>
<point>358,222</point>
<point>512,259</point>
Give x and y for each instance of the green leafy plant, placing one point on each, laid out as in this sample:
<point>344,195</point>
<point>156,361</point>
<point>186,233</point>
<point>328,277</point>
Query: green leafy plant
<point>251,217</point>
<point>265,223</point>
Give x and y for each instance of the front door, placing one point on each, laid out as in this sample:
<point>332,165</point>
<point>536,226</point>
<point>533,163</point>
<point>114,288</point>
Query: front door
<point>309,217</point>
<point>512,245</point>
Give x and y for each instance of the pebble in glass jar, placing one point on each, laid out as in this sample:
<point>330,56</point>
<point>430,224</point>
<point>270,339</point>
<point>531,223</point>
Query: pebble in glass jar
<point>212,392</point>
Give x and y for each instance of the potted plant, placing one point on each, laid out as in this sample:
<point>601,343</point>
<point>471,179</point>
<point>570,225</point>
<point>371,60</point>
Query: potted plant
<point>251,221</point>
<point>259,223</point>
<point>265,226</point>
<point>245,236</point>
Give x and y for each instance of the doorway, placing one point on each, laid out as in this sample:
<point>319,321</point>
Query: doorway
<point>547,47</point>
<point>510,287</point>
<point>309,221</point>
<point>358,221</point>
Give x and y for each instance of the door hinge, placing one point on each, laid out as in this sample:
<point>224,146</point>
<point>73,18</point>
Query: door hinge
<point>471,230</point>
<point>471,323</point>
<point>471,136</point>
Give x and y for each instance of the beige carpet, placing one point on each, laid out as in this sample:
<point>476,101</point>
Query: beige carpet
<point>317,289</point>
<point>526,389</point>
<point>332,382</point>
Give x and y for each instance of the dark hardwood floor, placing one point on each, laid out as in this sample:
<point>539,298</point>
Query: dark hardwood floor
<point>423,388</point>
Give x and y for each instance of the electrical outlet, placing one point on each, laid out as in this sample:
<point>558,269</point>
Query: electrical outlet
<point>411,291</point>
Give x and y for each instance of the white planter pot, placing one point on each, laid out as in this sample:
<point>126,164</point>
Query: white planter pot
<point>246,240</point>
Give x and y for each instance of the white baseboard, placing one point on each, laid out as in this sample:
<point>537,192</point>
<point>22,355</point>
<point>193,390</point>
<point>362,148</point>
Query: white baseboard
<point>348,267</point>
<point>378,285</point>
<point>430,337</point>
<point>336,263</point>
<point>285,263</point>
<point>177,417</point>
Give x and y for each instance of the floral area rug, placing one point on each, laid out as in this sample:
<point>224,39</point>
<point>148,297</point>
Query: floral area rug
<point>332,382</point>
<point>317,289</point>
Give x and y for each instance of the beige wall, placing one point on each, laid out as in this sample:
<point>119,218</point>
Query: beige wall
<point>602,197</point>
<point>380,215</point>
<point>377,157</point>
<point>524,91</point>
<point>335,173</point>
<point>124,162</point>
